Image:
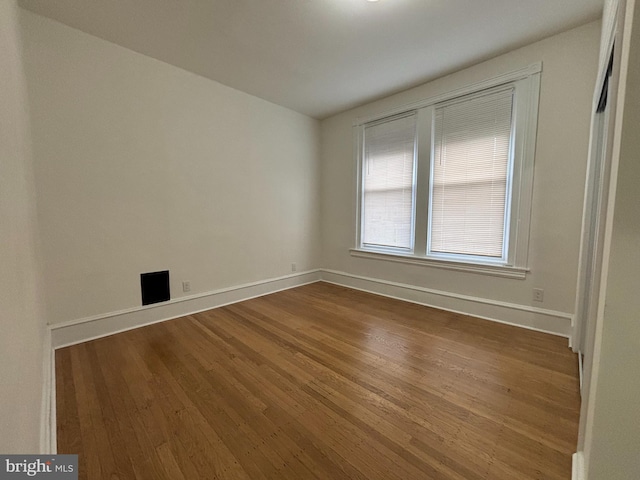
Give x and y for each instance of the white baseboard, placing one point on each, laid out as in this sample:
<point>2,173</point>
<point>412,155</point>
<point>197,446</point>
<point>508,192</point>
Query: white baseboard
<point>48,406</point>
<point>91,328</point>
<point>577,466</point>
<point>532,318</point>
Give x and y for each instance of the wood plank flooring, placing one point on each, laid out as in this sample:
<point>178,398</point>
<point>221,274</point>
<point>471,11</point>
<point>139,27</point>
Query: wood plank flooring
<point>320,382</point>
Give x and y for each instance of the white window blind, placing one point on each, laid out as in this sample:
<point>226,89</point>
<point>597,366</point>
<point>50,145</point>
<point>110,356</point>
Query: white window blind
<point>472,149</point>
<point>388,183</point>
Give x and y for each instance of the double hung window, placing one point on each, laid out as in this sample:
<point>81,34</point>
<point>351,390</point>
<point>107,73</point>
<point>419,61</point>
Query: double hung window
<point>389,183</point>
<point>448,182</point>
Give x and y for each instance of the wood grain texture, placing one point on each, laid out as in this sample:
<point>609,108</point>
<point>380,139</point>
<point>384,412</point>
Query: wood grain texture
<point>320,382</point>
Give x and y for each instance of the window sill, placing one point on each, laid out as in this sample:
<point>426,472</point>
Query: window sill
<point>483,269</point>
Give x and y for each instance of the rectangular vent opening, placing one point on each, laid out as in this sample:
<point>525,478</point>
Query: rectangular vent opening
<point>155,287</point>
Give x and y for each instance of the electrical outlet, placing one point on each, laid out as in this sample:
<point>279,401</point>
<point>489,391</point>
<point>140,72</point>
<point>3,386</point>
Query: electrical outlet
<point>294,267</point>
<point>186,286</point>
<point>538,295</point>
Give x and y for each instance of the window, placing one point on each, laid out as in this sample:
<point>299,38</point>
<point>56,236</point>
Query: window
<point>469,170</point>
<point>447,182</point>
<point>388,189</point>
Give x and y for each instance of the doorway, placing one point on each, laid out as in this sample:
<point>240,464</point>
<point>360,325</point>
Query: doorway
<point>593,227</point>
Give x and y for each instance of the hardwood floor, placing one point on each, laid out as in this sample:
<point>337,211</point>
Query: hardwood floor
<point>320,382</point>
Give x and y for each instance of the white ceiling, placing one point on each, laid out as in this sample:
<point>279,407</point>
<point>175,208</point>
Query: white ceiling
<point>319,57</point>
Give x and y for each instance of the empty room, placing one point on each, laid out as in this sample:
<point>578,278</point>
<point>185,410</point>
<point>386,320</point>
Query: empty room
<point>320,239</point>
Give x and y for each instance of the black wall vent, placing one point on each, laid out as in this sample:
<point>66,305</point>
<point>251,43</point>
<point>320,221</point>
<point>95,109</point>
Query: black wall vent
<point>155,287</point>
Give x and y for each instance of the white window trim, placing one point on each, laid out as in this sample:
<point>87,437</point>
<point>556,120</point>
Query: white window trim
<point>526,115</point>
<point>481,268</point>
<point>522,73</point>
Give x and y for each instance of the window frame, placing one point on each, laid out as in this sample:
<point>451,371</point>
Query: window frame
<point>526,85</point>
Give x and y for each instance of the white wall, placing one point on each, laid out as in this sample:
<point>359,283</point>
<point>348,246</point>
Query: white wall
<point>612,449</point>
<point>22,326</point>
<point>141,166</point>
<point>569,70</point>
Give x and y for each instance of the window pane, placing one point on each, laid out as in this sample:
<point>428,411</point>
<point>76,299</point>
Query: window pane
<point>389,154</point>
<point>469,181</point>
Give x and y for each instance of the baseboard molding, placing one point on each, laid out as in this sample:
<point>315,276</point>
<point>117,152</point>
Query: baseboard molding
<point>532,318</point>
<point>91,328</point>
<point>48,407</point>
<point>577,466</point>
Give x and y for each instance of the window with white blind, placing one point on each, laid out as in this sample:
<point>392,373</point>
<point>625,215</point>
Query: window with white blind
<point>469,188</point>
<point>388,183</point>
<point>448,182</point>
